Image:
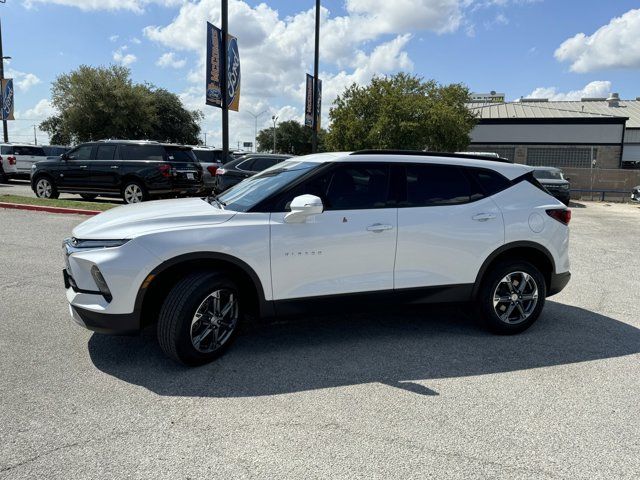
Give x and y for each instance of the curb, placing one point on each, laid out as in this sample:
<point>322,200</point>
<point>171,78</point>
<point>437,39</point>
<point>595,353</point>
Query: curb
<point>44,208</point>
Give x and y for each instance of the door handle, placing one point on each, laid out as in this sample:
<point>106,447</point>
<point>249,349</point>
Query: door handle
<point>115,166</point>
<point>378,227</point>
<point>483,217</point>
<point>82,166</point>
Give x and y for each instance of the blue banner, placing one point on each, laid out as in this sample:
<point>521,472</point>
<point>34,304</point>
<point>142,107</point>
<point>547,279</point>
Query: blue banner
<point>7,99</point>
<point>214,60</point>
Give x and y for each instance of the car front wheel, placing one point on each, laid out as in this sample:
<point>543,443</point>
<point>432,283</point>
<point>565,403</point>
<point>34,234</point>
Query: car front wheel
<point>45,188</point>
<point>199,318</point>
<point>511,297</point>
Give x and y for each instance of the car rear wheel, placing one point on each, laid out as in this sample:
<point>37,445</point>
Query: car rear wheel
<point>511,297</point>
<point>45,188</point>
<point>199,318</point>
<point>134,192</point>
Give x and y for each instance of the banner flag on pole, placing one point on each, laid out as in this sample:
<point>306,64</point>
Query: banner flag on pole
<point>214,57</point>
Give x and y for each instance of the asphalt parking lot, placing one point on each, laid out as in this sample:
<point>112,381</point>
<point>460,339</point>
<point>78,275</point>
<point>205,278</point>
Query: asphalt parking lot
<point>411,394</point>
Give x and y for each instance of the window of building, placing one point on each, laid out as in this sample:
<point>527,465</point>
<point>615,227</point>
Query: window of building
<point>576,157</point>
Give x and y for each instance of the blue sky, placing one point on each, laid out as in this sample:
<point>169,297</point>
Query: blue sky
<point>563,49</point>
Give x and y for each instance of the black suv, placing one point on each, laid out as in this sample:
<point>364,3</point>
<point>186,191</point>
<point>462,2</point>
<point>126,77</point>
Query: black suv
<point>133,170</point>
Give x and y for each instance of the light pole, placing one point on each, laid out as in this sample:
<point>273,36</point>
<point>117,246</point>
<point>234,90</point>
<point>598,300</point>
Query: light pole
<point>255,128</point>
<point>314,133</point>
<point>2,59</point>
<point>35,136</point>
<point>275,119</point>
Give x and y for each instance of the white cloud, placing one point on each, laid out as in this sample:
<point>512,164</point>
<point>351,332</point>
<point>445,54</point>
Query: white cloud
<point>23,81</point>
<point>169,60</point>
<point>614,45</point>
<point>136,6</point>
<point>126,59</point>
<point>114,38</point>
<point>136,41</point>
<point>41,110</point>
<point>599,88</point>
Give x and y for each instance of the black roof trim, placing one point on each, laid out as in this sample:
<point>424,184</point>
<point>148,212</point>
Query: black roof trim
<point>420,153</point>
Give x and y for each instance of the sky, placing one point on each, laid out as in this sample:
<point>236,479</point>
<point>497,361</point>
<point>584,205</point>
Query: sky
<point>557,49</point>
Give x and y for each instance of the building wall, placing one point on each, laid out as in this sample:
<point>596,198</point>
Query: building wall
<point>603,179</point>
<point>560,133</point>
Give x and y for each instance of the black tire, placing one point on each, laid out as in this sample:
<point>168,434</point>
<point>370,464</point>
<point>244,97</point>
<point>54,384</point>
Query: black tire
<point>42,191</point>
<point>88,196</point>
<point>490,282</point>
<point>179,309</point>
<point>129,185</point>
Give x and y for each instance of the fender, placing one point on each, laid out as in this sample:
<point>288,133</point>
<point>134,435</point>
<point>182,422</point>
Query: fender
<point>505,248</point>
<point>265,306</point>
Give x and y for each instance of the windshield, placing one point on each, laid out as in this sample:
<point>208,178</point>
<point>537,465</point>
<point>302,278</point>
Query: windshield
<point>548,174</point>
<point>248,193</point>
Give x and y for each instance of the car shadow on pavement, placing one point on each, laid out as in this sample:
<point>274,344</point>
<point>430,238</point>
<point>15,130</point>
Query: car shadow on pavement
<point>397,349</point>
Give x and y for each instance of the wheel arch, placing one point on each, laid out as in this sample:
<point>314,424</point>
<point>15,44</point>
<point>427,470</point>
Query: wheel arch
<point>536,254</point>
<point>162,278</point>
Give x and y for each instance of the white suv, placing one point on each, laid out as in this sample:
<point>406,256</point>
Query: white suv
<point>329,229</point>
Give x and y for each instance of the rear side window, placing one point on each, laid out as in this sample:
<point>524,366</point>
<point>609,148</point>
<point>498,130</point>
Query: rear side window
<point>490,182</point>
<point>6,150</point>
<point>429,185</point>
<point>176,154</point>
<point>36,151</point>
<point>106,152</point>
<point>264,163</point>
<point>141,152</point>
<point>247,165</point>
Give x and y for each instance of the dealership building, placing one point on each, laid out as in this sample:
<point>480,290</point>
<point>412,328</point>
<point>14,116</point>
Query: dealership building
<point>596,141</point>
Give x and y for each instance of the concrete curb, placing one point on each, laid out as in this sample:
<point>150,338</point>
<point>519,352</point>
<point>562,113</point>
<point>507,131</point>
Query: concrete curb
<point>43,208</point>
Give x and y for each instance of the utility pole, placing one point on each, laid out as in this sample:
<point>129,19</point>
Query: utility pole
<point>314,133</point>
<point>35,136</point>
<point>2,58</point>
<point>223,81</point>
<point>205,139</point>
<point>255,127</point>
<point>275,119</point>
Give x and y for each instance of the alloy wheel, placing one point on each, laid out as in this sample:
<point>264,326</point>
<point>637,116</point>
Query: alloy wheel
<point>214,321</point>
<point>515,297</point>
<point>44,188</point>
<point>133,193</point>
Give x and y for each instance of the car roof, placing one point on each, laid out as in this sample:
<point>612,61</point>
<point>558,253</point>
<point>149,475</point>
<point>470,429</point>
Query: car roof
<point>509,170</point>
<point>11,144</point>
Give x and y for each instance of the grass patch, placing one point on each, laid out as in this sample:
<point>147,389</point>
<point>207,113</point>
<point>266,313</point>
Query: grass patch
<point>48,202</point>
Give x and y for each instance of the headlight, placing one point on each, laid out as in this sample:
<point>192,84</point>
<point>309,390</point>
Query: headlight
<point>76,243</point>
<point>564,187</point>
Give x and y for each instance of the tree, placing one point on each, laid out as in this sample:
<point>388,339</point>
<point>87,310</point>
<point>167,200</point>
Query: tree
<point>291,137</point>
<point>401,112</point>
<point>95,103</point>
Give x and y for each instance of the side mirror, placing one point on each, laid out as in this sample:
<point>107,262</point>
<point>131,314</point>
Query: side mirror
<point>567,179</point>
<point>64,156</point>
<point>302,207</point>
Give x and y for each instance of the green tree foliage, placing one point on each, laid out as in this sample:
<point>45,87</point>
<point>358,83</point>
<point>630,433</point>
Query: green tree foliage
<point>291,137</point>
<point>401,112</point>
<point>96,103</point>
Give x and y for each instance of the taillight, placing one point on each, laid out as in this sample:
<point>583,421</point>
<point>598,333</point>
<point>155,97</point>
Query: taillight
<point>165,170</point>
<point>563,215</point>
<point>12,160</point>
<point>212,169</point>
<point>220,171</point>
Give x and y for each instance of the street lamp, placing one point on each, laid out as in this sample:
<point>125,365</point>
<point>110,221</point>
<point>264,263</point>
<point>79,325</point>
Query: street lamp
<point>255,130</point>
<point>275,119</point>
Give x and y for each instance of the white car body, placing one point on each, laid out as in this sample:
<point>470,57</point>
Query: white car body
<point>443,249</point>
<point>24,155</point>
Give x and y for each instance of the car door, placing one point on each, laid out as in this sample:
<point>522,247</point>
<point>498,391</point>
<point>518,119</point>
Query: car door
<point>24,158</point>
<point>348,248</point>
<point>105,168</point>
<point>446,227</point>
<point>76,174</point>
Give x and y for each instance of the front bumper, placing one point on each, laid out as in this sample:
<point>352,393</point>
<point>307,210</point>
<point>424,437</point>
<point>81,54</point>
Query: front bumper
<point>108,323</point>
<point>558,282</point>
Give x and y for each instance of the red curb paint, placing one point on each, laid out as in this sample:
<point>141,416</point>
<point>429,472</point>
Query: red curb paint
<point>43,208</point>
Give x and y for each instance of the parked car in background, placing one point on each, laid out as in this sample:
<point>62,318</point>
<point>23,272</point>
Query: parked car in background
<point>132,169</point>
<point>25,156</point>
<point>243,167</point>
<point>330,231</point>
<point>55,150</point>
<point>8,167</point>
<point>211,159</point>
<point>553,180</point>
<point>635,194</point>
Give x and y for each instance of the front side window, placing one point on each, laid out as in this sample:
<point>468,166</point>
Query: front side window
<point>141,152</point>
<point>81,153</point>
<point>346,186</point>
<point>429,185</point>
<point>106,152</point>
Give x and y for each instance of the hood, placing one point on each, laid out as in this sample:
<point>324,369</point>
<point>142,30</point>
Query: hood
<point>129,221</point>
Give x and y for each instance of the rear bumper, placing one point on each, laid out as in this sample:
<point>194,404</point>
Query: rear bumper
<point>558,282</point>
<point>112,324</point>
